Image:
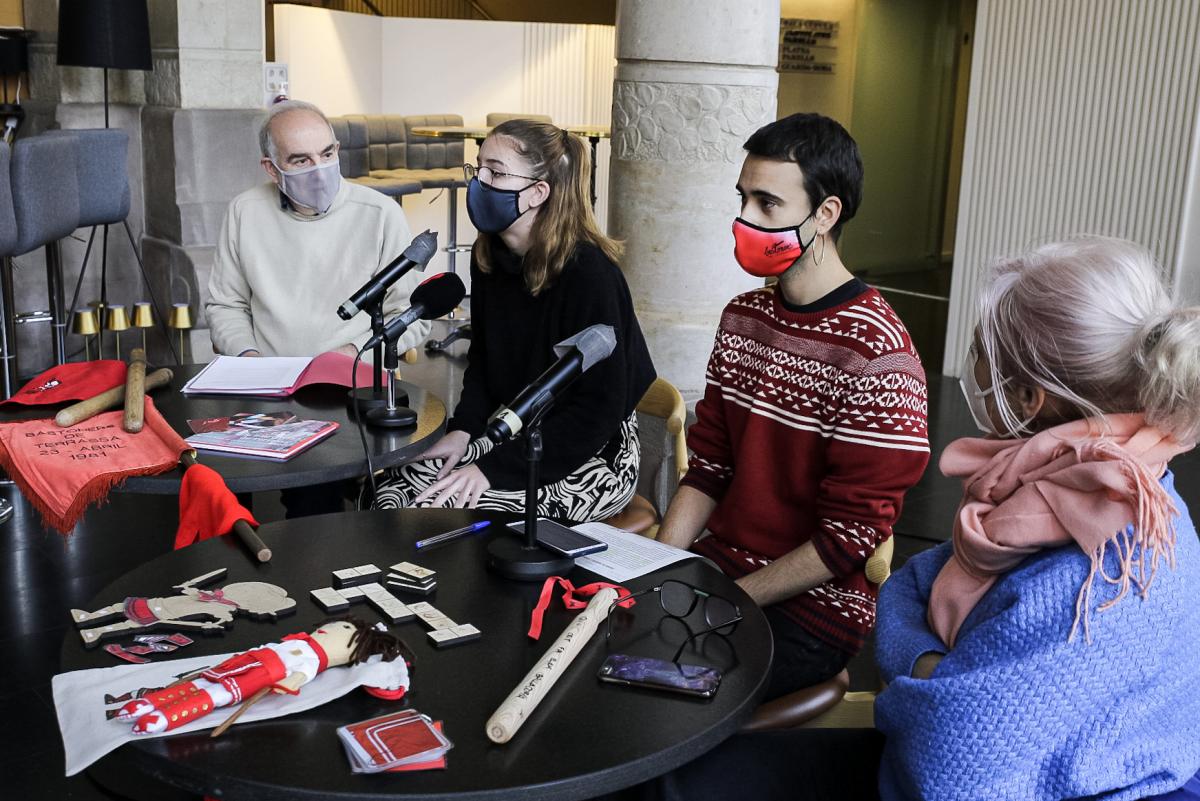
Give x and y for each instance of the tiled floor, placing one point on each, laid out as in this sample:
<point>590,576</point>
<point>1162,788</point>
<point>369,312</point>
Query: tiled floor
<point>43,575</point>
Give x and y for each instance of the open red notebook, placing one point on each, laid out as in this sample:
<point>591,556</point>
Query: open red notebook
<point>275,376</point>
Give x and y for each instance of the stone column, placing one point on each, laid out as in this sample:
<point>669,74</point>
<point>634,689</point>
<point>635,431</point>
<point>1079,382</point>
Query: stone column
<point>694,79</point>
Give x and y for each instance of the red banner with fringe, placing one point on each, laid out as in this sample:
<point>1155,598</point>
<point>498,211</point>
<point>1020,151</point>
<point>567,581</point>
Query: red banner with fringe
<point>62,471</point>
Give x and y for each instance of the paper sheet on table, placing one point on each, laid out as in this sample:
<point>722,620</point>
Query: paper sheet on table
<point>87,736</point>
<point>234,375</point>
<point>628,556</point>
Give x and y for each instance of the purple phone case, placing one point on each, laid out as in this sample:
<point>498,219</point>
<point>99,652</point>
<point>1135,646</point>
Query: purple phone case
<point>644,671</point>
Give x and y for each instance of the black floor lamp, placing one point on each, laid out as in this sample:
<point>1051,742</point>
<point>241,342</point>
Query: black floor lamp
<point>110,34</point>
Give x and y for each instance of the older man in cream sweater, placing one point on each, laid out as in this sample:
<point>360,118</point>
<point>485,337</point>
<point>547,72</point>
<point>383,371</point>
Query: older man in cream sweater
<point>292,250</point>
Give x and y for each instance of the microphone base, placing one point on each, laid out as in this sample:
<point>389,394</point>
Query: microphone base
<point>382,417</point>
<point>371,398</point>
<point>511,558</point>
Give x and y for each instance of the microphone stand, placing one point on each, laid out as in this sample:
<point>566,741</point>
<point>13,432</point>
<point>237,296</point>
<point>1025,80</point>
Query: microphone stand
<point>374,396</point>
<point>390,415</point>
<point>523,559</point>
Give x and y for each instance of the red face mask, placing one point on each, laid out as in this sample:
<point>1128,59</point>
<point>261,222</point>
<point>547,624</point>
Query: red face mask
<point>765,252</point>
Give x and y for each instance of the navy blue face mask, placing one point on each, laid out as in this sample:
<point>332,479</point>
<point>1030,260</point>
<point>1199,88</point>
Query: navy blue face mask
<point>493,210</point>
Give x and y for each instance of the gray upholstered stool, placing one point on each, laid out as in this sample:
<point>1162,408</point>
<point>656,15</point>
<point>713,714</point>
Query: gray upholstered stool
<point>8,241</point>
<point>45,191</point>
<point>8,245</point>
<point>104,200</point>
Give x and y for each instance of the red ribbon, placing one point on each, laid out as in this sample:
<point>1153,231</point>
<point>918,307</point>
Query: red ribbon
<point>571,596</point>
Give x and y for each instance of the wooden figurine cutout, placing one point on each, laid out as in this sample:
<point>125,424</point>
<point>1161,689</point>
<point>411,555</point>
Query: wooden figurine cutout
<point>282,667</point>
<point>207,610</point>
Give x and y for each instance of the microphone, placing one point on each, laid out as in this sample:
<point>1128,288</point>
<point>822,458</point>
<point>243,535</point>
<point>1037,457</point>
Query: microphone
<point>432,298</point>
<point>417,254</point>
<point>576,355</point>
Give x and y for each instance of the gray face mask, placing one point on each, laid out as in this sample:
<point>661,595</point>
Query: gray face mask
<point>314,187</point>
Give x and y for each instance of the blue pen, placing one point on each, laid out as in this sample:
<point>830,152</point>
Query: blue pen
<point>452,535</point>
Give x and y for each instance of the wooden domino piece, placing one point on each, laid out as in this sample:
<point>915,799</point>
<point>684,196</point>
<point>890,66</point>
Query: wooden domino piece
<point>392,608</point>
<point>444,638</point>
<point>330,599</point>
<point>431,616</point>
<point>401,578</point>
<point>414,573</point>
<point>354,576</point>
<point>415,589</point>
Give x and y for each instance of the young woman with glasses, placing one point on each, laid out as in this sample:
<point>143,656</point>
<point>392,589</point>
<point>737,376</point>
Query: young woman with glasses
<point>541,271</point>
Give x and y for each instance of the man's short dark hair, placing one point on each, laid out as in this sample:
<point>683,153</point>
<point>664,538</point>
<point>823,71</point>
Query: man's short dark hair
<point>824,151</point>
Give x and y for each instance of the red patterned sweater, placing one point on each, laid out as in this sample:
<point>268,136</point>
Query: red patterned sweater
<point>812,427</point>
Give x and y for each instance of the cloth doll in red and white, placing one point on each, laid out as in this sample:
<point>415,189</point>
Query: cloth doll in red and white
<point>282,667</point>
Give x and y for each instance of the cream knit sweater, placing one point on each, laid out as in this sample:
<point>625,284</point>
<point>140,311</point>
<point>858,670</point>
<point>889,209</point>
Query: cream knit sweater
<point>279,277</point>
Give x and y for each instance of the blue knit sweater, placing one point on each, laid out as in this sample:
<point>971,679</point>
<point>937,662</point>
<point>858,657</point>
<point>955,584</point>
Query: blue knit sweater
<point>1015,711</point>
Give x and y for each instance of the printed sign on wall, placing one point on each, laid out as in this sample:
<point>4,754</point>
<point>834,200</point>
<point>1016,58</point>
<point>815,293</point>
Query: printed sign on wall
<point>807,45</point>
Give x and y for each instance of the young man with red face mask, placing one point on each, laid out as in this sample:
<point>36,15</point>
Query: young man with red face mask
<point>812,425</point>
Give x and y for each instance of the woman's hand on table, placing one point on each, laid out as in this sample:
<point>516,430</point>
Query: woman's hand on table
<point>452,447</point>
<point>460,490</point>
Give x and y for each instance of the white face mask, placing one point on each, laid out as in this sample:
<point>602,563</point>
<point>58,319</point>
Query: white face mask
<point>977,398</point>
<point>314,187</point>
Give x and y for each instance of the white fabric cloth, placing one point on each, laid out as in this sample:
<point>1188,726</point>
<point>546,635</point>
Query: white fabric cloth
<point>87,735</point>
<point>279,277</point>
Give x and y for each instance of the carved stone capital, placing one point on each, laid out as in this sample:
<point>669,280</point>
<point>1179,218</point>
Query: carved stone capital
<point>687,123</point>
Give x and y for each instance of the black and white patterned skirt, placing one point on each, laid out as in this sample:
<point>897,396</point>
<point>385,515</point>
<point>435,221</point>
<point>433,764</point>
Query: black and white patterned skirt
<point>600,488</point>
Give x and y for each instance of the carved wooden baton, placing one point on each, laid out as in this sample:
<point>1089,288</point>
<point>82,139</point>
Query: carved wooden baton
<point>135,392</point>
<point>521,702</point>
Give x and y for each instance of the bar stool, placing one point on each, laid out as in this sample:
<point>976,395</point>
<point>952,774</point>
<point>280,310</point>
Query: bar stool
<point>8,246</point>
<point>8,241</point>
<point>104,200</point>
<point>45,193</point>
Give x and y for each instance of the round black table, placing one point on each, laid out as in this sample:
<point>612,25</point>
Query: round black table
<point>585,739</point>
<point>336,458</point>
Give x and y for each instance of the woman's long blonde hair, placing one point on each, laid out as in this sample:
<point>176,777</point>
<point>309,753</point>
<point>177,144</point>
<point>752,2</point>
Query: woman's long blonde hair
<point>565,219</point>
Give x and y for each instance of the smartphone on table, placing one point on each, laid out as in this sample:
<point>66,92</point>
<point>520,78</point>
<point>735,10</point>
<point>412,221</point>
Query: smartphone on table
<point>560,539</point>
<point>659,674</point>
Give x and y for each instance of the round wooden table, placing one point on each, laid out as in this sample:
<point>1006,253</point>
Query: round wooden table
<point>585,739</point>
<point>476,132</point>
<point>336,458</point>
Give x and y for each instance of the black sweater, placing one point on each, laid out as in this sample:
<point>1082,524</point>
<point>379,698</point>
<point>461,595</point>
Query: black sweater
<point>513,335</point>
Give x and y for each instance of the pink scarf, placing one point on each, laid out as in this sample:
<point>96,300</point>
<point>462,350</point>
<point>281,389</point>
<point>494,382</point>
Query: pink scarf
<point>1066,484</point>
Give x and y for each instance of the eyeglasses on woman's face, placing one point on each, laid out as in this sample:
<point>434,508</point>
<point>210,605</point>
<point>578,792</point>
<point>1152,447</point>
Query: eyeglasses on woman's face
<point>489,176</point>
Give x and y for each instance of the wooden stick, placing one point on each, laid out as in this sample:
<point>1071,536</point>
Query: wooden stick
<point>249,702</point>
<point>522,701</point>
<point>91,407</point>
<point>244,530</point>
<point>135,392</point>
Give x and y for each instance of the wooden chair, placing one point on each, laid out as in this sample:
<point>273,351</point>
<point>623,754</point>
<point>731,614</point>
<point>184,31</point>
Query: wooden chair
<point>663,401</point>
<point>827,705</point>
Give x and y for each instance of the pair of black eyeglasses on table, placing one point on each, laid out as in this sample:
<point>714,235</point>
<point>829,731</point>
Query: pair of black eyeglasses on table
<point>678,600</point>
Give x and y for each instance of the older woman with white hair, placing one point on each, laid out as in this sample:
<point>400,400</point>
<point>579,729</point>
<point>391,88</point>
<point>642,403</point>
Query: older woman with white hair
<point>1052,649</point>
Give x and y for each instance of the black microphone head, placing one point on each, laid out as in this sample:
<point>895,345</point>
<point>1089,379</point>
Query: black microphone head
<point>422,248</point>
<point>437,296</point>
<point>594,343</point>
